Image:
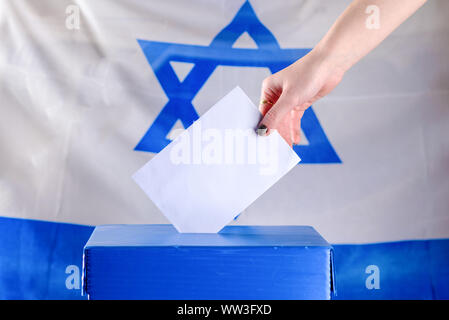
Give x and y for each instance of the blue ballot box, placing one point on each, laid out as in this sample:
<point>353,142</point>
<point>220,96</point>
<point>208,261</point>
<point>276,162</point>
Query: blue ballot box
<point>239,262</point>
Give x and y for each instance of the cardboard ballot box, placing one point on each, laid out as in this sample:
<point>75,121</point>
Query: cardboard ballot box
<point>240,262</point>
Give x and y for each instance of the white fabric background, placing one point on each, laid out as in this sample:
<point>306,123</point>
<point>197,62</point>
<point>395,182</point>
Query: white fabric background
<point>74,103</point>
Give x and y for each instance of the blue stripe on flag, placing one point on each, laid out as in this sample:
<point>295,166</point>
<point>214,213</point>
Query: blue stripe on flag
<point>42,260</point>
<point>393,270</point>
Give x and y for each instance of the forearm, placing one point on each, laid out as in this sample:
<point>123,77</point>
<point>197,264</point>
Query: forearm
<point>288,93</point>
<point>350,38</point>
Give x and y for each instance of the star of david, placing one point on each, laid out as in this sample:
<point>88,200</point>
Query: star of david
<point>221,53</point>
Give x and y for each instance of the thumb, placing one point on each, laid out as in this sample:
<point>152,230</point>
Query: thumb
<point>275,114</point>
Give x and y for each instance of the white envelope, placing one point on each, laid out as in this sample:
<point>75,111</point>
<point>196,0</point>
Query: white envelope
<point>216,168</point>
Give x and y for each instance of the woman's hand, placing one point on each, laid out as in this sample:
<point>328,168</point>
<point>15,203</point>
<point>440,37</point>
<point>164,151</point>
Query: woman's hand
<point>289,92</point>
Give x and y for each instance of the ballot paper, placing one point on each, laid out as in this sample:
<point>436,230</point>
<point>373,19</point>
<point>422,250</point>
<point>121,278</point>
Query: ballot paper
<point>216,168</point>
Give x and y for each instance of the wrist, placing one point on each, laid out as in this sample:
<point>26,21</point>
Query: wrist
<point>330,59</point>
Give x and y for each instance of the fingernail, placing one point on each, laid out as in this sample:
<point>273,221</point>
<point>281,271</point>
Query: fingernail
<point>262,130</point>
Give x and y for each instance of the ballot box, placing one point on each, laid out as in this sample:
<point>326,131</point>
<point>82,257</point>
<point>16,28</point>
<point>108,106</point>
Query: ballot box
<point>239,262</point>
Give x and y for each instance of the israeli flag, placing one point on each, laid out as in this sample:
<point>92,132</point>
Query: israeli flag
<point>92,90</point>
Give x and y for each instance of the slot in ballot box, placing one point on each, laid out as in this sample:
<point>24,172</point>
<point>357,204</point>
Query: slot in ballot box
<point>239,262</point>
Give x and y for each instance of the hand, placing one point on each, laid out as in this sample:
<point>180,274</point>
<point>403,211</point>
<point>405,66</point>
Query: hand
<point>289,92</point>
